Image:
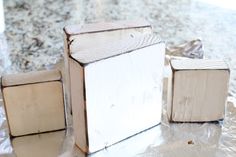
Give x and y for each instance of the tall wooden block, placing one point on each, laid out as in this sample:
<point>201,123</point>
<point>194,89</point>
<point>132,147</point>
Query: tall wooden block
<point>197,90</point>
<point>116,91</point>
<point>82,37</point>
<point>33,102</point>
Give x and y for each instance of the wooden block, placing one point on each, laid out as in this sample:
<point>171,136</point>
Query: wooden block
<point>40,145</point>
<point>197,90</point>
<point>116,91</point>
<point>34,102</point>
<point>79,38</point>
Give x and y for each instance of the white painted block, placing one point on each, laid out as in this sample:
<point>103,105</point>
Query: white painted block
<point>116,91</point>
<point>34,102</point>
<point>79,38</point>
<point>197,90</point>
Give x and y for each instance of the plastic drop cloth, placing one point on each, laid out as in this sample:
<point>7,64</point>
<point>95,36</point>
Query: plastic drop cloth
<point>164,140</point>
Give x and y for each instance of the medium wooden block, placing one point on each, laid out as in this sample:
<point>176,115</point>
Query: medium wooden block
<point>34,102</point>
<point>197,90</point>
<point>79,38</point>
<point>116,91</point>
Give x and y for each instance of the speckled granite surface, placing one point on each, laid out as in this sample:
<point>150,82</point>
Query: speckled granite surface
<point>34,31</point>
<point>34,28</point>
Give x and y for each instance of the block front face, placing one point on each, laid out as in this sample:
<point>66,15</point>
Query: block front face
<point>199,95</point>
<point>123,95</point>
<point>34,108</point>
<point>42,145</point>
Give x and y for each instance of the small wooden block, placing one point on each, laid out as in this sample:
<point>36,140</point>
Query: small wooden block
<point>34,102</point>
<point>40,145</point>
<point>197,90</point>
<point>116,90</point>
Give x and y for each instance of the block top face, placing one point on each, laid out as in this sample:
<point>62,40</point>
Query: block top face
<point>114,49</point>
<point>198,64</point>
<point>104,26</point>
<point>31,77</point>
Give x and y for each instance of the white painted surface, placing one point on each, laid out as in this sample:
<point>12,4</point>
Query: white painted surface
<point>123,95</point>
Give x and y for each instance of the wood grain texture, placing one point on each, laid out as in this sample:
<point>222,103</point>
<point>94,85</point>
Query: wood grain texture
<point>198,93</point>
<point>115,49</point>
<point>200,64</point>
<point>78,104</point>
<point>104,26</point>
<point>34,108</point>
<point>92,40</point>
<point>30,77</point>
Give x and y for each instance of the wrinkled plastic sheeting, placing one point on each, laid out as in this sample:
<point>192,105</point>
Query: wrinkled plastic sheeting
<point>215,139</point>
<point>190,49</point>
<point>165,140</point>
<point>5,145</point>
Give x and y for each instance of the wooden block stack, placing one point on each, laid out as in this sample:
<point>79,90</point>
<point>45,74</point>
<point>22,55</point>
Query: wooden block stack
<point>116,85</point>
<point>197,90</point>
<point>33,102</point>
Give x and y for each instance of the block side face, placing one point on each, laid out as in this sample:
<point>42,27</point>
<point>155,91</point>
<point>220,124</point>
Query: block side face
<point>66,73</point>
<point>104,26</point>
<point>170,80</point>
<point>35,108</point>
<point>116,48</point>
<point>124,95</point>
<point>199,95</point>
<point>82,42</point>
<point>31,77</point>
<point>78,104</point>
<point>43,145</point>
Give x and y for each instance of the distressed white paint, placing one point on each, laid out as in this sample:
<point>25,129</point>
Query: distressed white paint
<point>123,95</point>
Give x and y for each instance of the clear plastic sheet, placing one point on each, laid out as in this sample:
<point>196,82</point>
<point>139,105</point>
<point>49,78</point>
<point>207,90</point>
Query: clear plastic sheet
<point>214,139</point>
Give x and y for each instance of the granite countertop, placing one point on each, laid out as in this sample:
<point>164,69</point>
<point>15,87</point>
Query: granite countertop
<point>35,37</point>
